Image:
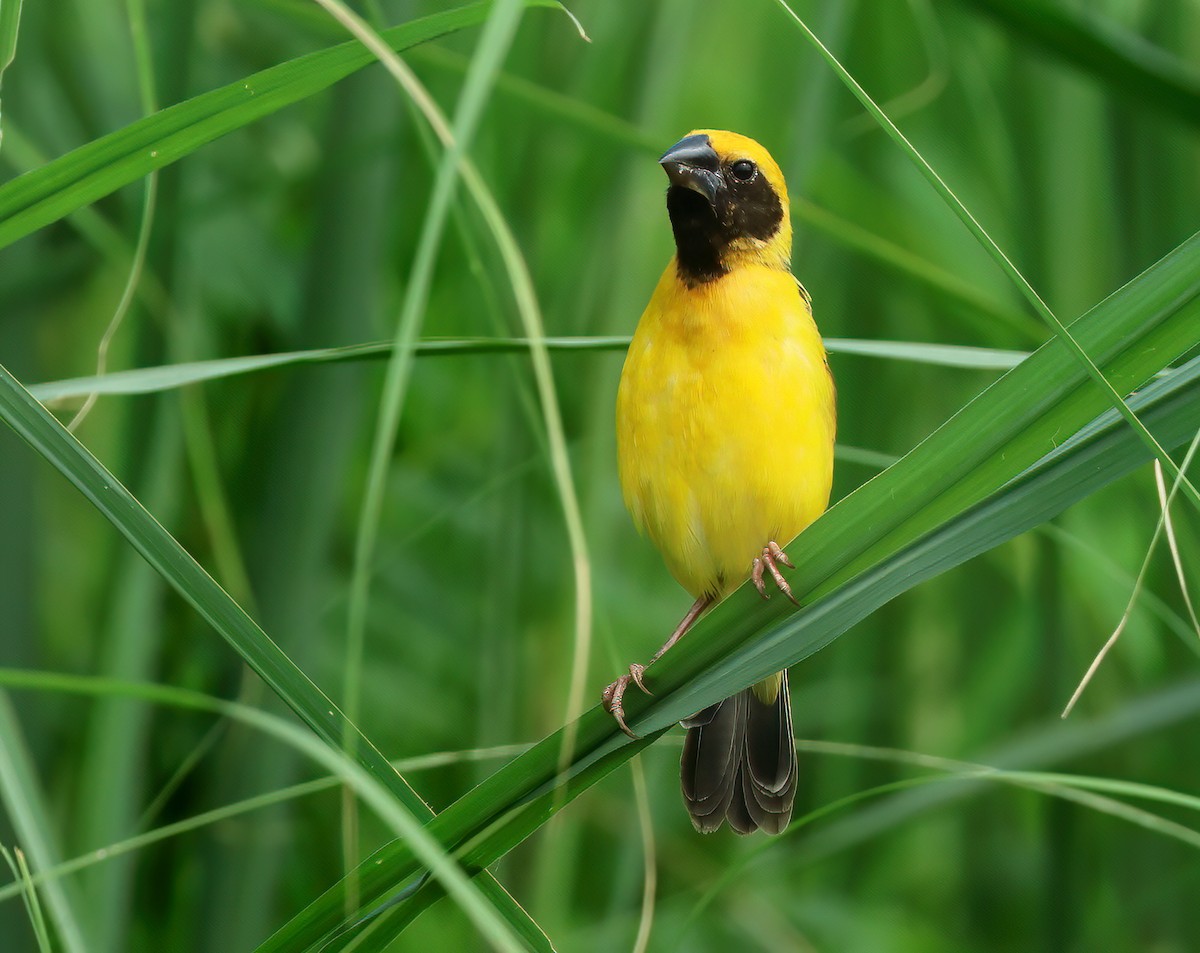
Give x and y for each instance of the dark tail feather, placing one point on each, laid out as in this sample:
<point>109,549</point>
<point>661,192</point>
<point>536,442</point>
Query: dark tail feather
<point>739,763</point>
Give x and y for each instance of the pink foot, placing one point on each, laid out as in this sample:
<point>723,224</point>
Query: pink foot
<point>615,692</point>
<point>771,556</point>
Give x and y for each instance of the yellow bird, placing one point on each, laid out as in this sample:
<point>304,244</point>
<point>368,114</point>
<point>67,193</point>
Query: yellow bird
<point>725,428</point>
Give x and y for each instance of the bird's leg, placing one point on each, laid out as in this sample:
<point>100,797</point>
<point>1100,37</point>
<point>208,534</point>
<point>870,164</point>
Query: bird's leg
<point>616,691</point>
<point>771,555</point>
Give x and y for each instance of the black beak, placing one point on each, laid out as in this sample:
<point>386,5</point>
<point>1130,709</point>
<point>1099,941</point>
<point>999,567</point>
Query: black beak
<point>693,164</point>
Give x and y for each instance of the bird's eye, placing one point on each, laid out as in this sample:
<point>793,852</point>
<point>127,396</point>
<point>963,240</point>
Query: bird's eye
<point>743,170</point>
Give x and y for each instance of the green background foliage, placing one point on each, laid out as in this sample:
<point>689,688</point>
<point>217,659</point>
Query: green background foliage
<point>1070,134</point>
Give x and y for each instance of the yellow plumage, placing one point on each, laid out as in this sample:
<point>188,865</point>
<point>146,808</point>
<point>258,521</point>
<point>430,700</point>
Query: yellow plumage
<point>725,430</point>
<point>724,423</point>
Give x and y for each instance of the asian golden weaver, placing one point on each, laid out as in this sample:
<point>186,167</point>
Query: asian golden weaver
<point>725,427</point>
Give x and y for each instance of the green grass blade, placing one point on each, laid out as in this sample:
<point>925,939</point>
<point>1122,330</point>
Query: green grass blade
<point>1129,789</point>
<point>101,167</point>
<point>116,735</point>
<point>525,297</point>
<point>1005,264</point>
<point>1126,63</point>
<point>349,771</point>
<point>562,109</point>
<point>10,21</point>
<point>145,73</point>
<point>1097,455</point>
<point>1053,743</point>
<point>937,791</point>
<point>117,849</point>
<point>150,380</point>
<point>555,105</point>
<point>37,427</point>
<point>33,423</point>
<point>935,355</point>
<point>906,263</point>
<point>24,800</point>
<point>1100,454</point>
<point>33,907</point>
<point>953,496</point>
<point>500,28</point>
<point>298,232</point>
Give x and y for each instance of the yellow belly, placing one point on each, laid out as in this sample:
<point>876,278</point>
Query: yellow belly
<point>725,423</point>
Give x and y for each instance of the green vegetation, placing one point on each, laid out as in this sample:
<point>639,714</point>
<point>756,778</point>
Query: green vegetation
<point>262,578</point>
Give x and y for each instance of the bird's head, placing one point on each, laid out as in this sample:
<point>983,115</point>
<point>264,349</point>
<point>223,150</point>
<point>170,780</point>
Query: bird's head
<point>728,205</point>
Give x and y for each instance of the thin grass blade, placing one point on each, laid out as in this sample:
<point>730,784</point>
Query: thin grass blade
<point>151,380</point>
<point>99,168</point>
<point>1087,359</point>
<point>970,486</point>
<point>24,800</point>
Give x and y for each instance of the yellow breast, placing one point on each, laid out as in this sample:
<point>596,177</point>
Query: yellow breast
<point>725,423</point>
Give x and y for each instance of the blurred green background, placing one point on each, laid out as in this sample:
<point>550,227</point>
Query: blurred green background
<point>299,232</point>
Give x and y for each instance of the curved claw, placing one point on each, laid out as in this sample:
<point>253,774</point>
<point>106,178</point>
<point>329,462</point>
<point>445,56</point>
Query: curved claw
<point>615,692</point>
<point>768,560</point>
